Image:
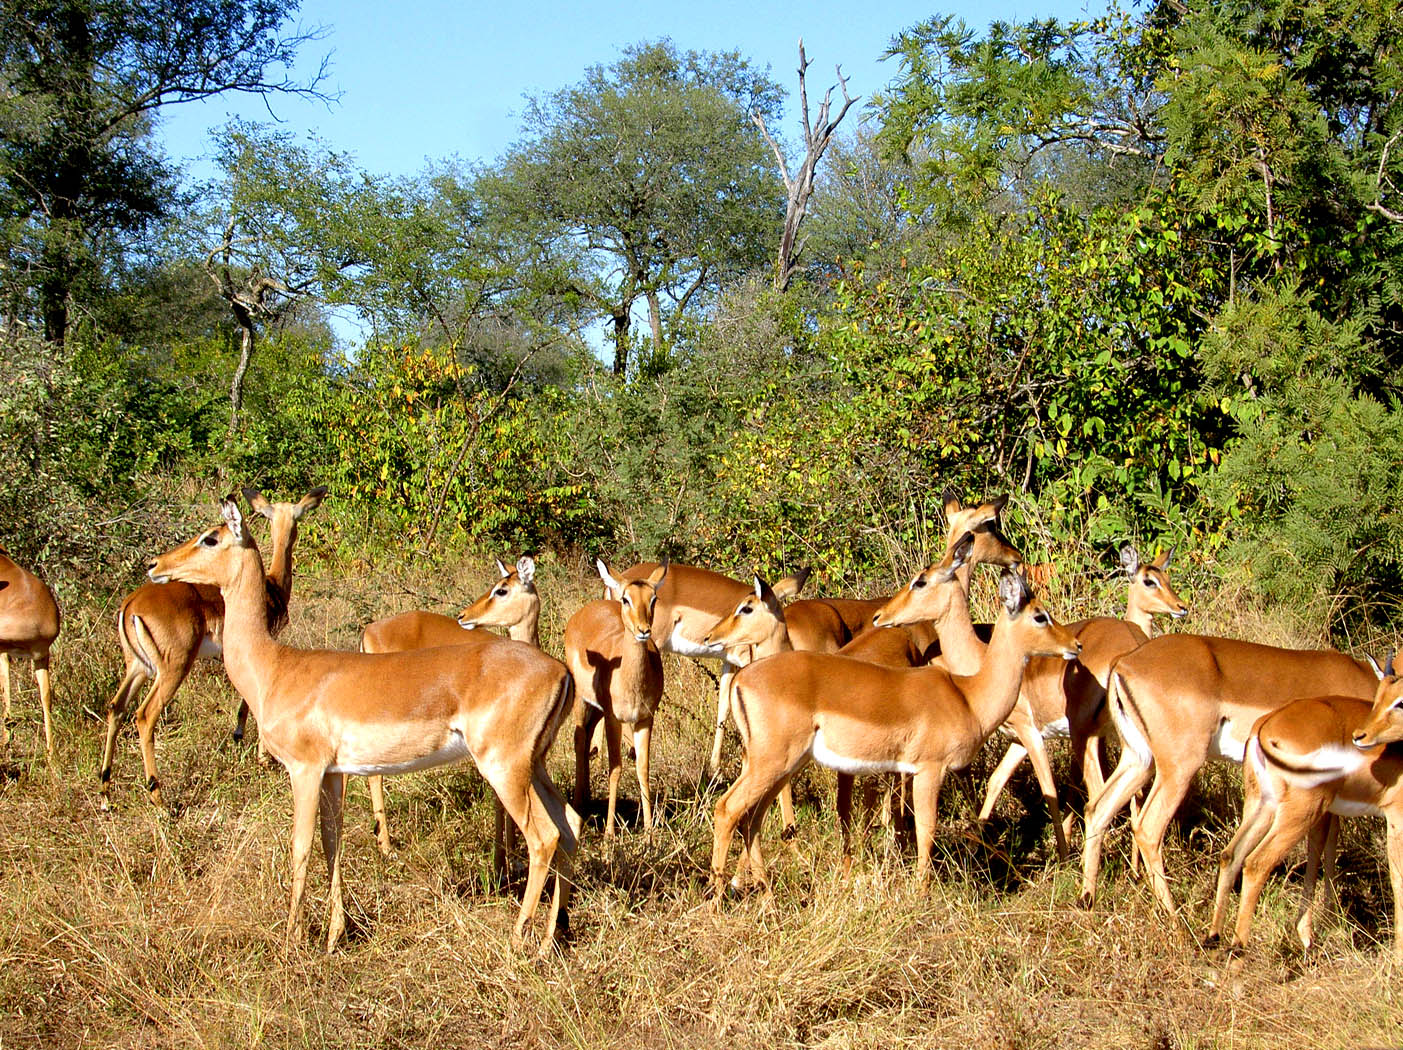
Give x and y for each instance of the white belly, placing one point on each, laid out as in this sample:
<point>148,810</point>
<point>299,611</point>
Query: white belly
<point>1344,808</point>
<point>679,643</point>
<point>455,750</point>
<point>210,649</point>
<point>824,755</point>
<point>1058,728</point>
<point>1225,745</point>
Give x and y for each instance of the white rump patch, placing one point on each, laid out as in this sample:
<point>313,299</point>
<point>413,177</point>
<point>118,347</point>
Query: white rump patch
<point>824,755</point>
<point>453,751</point>
<point>1225,745</point>
<point>1325,764</point>
<point>1130,735</point>
<point>1266,786</point>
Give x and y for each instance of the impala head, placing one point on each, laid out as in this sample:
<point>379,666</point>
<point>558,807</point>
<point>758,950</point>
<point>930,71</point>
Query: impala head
<point>509,601</point>
<point>1150,590</point>
<point>1385,722</point>
<point>931,594</point>
<point>1040,634</point>
<point>284,516</point>
<point>636,598</point>
<point>756,620</point>
<point>206,558</point>
<point>991,546</point>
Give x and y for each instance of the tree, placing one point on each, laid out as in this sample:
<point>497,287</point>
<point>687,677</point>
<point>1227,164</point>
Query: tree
<point>285,223</point>
<point>79,173</point>
<point>655,184</point>
<point>800,186</point>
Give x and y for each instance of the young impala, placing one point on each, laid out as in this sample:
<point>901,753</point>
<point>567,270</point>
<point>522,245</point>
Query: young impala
<point>326,714</point>
<point>1308,764</point>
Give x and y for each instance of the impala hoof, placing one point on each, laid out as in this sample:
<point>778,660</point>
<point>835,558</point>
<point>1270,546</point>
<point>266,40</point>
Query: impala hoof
<point>1086,900</point>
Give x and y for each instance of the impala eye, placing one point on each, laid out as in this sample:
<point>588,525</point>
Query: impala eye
<point>500,592</point>
<point>1041,619</point>
<point>918,583</point>
<point>209,539</point>
<point>1150,582</point>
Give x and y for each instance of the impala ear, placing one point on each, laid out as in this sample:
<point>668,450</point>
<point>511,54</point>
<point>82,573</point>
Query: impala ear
<point>502,570</point>
<point>311,501</point>
<point>659,574</point>
<point>609,581</point>
<point>996,506</point>
<point>951,503</point>
<point>1388,667</point>
<point>525,568</point>
<point>787,588</point>
<point>1014,591</point>
<point>1129,559</point>
<point>1162,562</point>
<point>959,555</point>
<point>257,502</point>
<point>759,585</point>
<point>234,519</point>
<point>1379,672</point>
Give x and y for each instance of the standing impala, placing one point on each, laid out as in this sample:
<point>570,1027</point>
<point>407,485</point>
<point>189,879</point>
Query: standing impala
<point>1060,699</point>
<point>325,714</point>
<point>863,718</point>
<point>512,602</point>
<point>618,675</point>
<point>164,629</point>
<point>29,623</point>
<point>1181,699</point>
<point>1309,763</point>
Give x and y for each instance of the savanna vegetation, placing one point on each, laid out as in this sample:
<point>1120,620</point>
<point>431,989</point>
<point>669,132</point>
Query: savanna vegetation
<point>1143,271</point>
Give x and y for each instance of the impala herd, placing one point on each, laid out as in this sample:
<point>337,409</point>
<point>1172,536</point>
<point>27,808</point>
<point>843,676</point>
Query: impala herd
<point>906,686</point>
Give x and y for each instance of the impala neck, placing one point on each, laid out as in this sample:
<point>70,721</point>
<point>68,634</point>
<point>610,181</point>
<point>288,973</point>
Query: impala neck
<point>992,692</point>
<point>634,664</point>
<point>248,644</point>
<point>959,645</point>
<point>280,561</point>
<point>1136,613</point>
<point>526,629</point>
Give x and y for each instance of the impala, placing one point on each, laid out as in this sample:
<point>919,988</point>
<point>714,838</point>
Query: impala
<point>1069,700</point>
<point>512,602</point>
<point>29,623</point>
<point>689,603</point>
<point>1309,763</point>
<point>1181,699</point>
<point>163,629</point>
<point>618,675</point>
<point>326,714</point>
<point>863,718</point>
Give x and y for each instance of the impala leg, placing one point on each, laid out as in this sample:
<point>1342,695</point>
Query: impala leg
<point>241,722</point>
<point>567,823</point>
<point>642,742</point>
<point>1315,847</point>
<point>723,708</point>
<point>331,811</point>
<point>1328,862</point>
<point>376,785</point>
<point>1128,778</point>
<point>1395,879</point>
<point>613,739</point>
<point>739,803</point>
<point>42,680</point>
<point>998,780</point>
<point>786,810</point>
<point>1294,815</point>
<point>1150,824</point>
<point>925,800</point>
<point>1037,754</point>
<point>751,828</point>
<point>504,838</point>
<point>168,680</point>
<point>586,718</point>
<point>1256,822</point>
<point>5,688</point>
<point>306,801</point>
<point>845,821</point>
<point>518,791</point>
<point>136,677</point>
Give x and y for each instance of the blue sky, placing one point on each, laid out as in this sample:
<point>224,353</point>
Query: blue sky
<point>430,80</point>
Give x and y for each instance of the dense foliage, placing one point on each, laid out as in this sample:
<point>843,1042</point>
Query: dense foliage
<point>1143,270</point>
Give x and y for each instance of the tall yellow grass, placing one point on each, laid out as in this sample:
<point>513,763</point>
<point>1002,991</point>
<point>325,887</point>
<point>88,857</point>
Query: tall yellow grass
<point>153,929</point>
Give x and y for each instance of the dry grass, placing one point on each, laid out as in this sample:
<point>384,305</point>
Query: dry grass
<point>152,929</point>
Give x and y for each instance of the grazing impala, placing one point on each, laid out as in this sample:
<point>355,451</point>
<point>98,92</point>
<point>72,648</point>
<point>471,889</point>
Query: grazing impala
<point>1308,764</point>
<point>1181,699</point>
<point>863,718</point>
<point>326,714</point>
<point>512,602</point>
<point>29,623</point>
<point>1061,699</point>
<point>618,674</point>
<point>163,629</point>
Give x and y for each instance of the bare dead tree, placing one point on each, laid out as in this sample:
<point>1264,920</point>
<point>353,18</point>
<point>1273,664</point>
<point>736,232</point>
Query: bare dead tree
<point>255,298</point>
<point>817,134</point>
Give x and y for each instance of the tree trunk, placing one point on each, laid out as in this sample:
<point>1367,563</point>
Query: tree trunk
<point>236,388</point>
<point>621,338</point>
<point>655,323</point>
